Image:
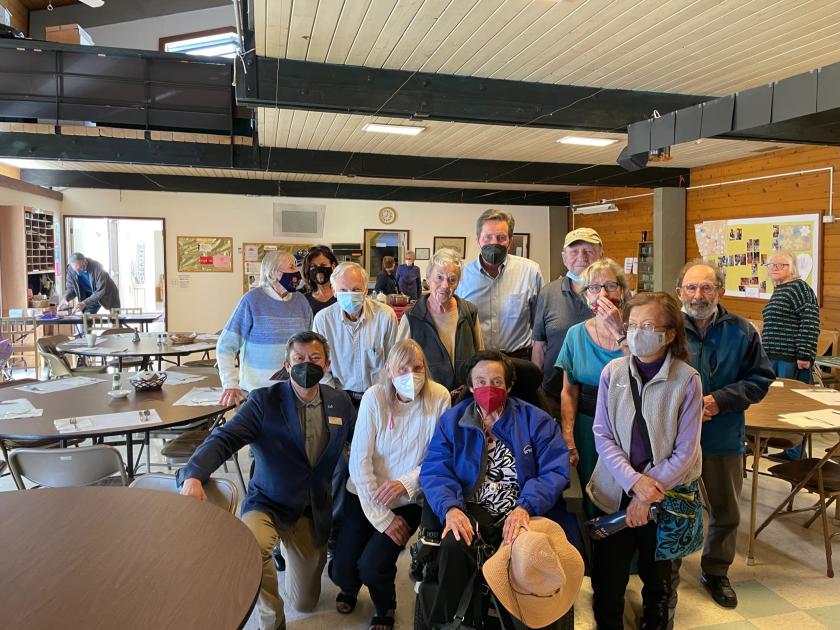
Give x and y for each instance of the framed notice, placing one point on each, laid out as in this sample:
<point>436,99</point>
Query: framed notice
<point>198,254</point>
<point>253,254</point>
<point>457,243</point>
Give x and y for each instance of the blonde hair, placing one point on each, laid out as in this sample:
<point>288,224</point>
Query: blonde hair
<point>783,253</point>
<point>606,264</point>
<point>403,352</point>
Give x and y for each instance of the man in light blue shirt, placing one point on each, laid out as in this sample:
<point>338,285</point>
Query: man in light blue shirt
<point>503,287</point>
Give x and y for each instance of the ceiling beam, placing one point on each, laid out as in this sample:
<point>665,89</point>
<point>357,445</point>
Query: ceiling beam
<point>274,188</point>
<point>346,89</point>
<point>18,145</point>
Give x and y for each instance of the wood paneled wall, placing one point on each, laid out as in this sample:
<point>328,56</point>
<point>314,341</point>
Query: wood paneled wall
<point>20,14</point>
<point>621,231</point>
<point>800,194</point>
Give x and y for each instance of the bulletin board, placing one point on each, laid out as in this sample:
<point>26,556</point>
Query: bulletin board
<point>742,247</point>
<point>205,253</point>
<point>253,253</point>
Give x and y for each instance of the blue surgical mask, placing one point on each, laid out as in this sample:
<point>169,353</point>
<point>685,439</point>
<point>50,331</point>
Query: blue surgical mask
<point>572,276</point>
<point>350,301</point>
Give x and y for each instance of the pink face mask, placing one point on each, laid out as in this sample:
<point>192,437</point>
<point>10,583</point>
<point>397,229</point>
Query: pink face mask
<point>490,398</point>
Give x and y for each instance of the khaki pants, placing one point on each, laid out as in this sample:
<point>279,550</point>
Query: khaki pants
<point>305,561</point>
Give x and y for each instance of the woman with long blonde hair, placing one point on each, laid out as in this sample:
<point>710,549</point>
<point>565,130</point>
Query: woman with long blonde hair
<point>396,421</point>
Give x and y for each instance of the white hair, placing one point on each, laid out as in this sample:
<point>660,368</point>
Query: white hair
<point>271,264</point>
<point>443,258</point>
<point>343,268</point>
<point>783,253</point>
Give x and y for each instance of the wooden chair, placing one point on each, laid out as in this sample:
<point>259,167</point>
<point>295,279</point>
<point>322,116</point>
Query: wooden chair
<point>220,492</point>
<point>828,344</point>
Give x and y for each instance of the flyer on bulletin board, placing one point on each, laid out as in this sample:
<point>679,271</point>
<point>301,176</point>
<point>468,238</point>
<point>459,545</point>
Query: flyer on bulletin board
<point>205,253</point>
<point>742,247</point>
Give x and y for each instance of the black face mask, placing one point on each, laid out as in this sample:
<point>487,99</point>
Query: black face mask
<point>494,253</point>
<point>307,374</point>
<point>324,271</point>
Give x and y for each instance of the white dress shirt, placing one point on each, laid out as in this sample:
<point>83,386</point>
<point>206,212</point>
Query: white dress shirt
<point>357,349</point>
<point>505,303</point>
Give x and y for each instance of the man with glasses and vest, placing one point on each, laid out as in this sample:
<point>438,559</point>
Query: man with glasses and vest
<point>735,371</point>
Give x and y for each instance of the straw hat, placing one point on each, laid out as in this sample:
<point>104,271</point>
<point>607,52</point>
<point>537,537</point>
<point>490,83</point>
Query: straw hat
<point>537,578</point>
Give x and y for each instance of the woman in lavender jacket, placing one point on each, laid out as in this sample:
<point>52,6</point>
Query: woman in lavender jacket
<point>642,454</point>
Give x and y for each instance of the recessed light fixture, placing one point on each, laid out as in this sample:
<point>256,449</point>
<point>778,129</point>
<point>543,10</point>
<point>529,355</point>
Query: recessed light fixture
<point>401,130</point>
<point>587,142</point>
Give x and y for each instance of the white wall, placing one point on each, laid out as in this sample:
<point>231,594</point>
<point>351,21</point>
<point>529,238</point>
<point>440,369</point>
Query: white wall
<point>204,301</point>
<point>144,34</point>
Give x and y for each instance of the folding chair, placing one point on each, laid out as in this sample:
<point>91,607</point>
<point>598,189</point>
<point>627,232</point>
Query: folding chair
<point>63,467</point>
<point>220,492</point>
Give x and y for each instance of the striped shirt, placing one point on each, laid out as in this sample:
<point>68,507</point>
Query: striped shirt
<point>791,322</point>
<point>258,330</point>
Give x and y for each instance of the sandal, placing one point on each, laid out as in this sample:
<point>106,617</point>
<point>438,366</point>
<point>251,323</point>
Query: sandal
<point>382,620</point>
<point>345,603</point>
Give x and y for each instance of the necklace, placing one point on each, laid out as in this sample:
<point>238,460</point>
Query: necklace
<point>598,338</point>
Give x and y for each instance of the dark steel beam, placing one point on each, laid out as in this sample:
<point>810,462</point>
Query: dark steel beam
<point>233,186</point>
<point>399,93</point>
<point>336,163</point>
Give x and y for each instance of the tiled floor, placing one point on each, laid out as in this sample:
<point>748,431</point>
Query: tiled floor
<point>786,589</point>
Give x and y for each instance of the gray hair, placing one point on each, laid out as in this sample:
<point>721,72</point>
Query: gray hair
<point>494,215</point>
<point>606,264</point>
<point>443,258</point>
<point>271,263</point>
<point>307,336</point>
<point>783,253</point>
<point>343,268</point>
<point>77,257</point>
<point>719,279</point>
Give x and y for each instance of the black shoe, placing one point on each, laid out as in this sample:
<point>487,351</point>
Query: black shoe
<point>279,562</point>
<point>720,589</point>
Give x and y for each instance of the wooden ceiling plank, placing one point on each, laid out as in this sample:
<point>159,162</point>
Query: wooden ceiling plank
<point>260,26</point>
<point>347,30</point>
<point>324,29</point>
<point>277,26</point>
<point>451,17</point>
<point>300,29</point>
<point>428,15</point>
<point>369,31</point>
<point>393,31</point>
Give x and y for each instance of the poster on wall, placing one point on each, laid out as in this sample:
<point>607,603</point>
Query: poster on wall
<point>742,247</point>
<point>205,253</point>
<point>253,253</point>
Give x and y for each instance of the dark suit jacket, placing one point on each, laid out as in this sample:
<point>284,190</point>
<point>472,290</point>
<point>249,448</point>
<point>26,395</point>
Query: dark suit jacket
<point>284,483</point>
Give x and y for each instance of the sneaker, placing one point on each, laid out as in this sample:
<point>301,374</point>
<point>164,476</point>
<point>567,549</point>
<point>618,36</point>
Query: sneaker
<point>720,589</point>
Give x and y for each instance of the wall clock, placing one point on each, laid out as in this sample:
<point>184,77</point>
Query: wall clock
<point>387,215</point>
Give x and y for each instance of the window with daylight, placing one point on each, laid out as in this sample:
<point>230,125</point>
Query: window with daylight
<point>216,43</point>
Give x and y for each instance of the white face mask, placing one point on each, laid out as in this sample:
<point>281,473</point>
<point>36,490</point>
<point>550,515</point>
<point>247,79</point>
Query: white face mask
<point>644,343</point>
<point>408,385</point>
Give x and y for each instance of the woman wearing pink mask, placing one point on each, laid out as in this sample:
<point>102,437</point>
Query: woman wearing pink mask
<point>495,461</point>
<point>396,420</point>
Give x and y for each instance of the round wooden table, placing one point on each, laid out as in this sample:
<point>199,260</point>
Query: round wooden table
<point>93,400</point>
<point>105,557</point>
<point>121,346</point>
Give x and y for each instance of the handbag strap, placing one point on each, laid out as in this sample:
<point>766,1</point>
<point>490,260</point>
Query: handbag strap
<point>464,603</point>
<point>637,402</point>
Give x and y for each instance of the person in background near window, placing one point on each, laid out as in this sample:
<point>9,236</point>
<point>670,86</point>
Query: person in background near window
<point>736,373</point>
<point>647,432</point>
<point>259,328</point>
<point>317,268</point>
<point>791,325</point>
<point>503,287</point>
<point>297,430</point>
<point>559,307</point>
<point>90,284</point>
<point>397,418</point>
<point>587,348</point>
<point>445,326</point>
<point>386,282</point>
<point>408,277</point>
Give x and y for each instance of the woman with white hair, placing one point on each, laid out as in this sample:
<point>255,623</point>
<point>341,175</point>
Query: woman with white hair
<point>396,421</point>
<point>445,326</point>
<point>259,328</point>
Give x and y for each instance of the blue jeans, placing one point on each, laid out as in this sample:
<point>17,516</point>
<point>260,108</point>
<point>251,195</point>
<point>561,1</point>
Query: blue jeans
<point>789,369</point>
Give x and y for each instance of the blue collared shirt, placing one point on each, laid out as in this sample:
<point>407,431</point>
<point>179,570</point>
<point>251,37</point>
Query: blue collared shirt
<point>505,303</point>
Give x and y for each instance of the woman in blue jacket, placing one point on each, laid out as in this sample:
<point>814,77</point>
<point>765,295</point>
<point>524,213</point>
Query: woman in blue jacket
<point>492,460</point>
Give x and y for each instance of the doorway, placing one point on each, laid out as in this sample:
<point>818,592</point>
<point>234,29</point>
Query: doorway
<point>131,251</point>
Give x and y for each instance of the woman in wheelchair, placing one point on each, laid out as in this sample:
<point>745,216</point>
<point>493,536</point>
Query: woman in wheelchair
<point>396,420</point>
<point>493,463</point>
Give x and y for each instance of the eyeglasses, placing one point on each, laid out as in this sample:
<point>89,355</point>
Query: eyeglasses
<point>706,289</point>
<point>648,326</point>
<point>596,288</point>
<point>777,266</point>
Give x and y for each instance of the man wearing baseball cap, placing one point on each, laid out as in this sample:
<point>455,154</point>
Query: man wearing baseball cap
<point>559,307</point>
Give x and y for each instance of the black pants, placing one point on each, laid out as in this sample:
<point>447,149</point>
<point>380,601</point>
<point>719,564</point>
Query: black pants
<point>611,559</point>
<point>365,556</point>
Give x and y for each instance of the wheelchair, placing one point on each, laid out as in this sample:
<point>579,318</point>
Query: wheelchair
<point>482,611</point>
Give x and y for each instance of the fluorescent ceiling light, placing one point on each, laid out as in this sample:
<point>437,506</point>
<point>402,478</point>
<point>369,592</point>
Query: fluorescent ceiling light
<point>596,209</point>
<point>587,142</point>
<point>402,130</point>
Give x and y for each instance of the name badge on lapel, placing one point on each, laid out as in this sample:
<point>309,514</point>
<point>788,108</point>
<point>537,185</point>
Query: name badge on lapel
<point>335,420</point>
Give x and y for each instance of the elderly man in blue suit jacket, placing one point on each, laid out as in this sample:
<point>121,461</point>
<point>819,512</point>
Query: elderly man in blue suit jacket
<point>297,430</point>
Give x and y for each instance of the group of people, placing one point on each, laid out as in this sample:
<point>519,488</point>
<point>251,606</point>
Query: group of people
<point>373,419</point>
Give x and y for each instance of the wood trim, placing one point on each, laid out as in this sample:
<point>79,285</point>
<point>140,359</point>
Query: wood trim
<point>26,187</point>
<point>163,41</point>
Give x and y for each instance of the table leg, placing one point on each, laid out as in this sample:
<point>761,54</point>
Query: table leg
<point>129,455</point>
<point>757,446</point>
<point>160,361</point>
